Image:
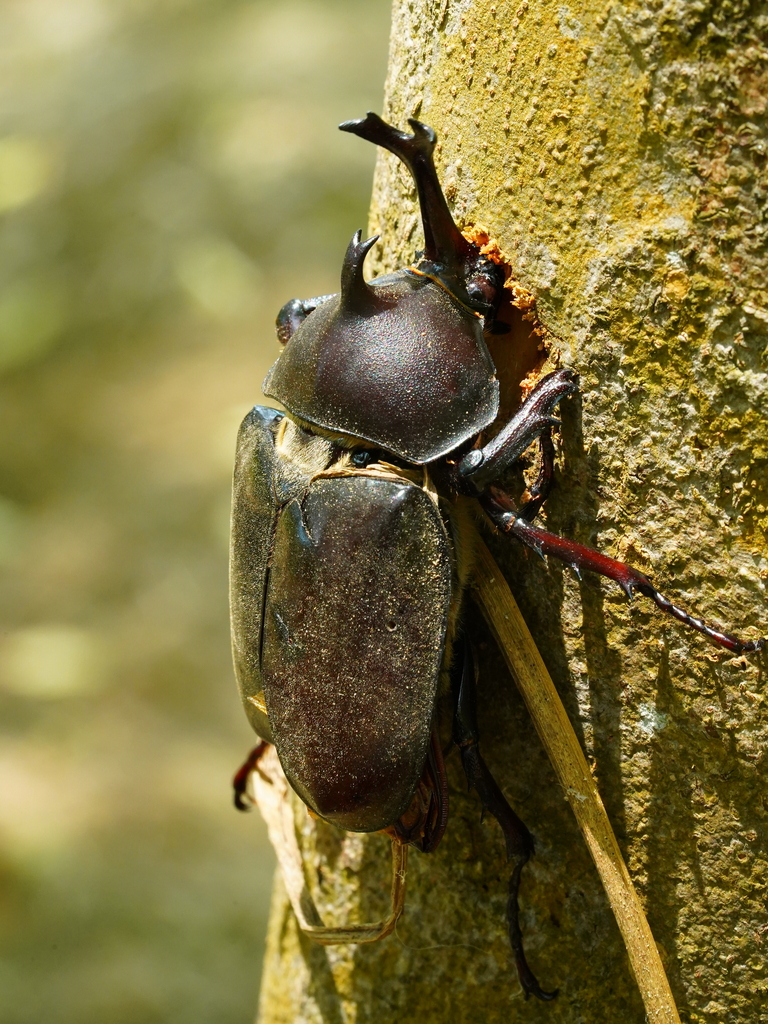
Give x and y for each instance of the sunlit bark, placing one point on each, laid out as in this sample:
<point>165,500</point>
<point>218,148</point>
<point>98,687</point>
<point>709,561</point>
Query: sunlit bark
<point>616,155</point>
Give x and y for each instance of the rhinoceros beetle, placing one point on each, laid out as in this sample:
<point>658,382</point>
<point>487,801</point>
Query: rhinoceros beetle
<point>350,545</point>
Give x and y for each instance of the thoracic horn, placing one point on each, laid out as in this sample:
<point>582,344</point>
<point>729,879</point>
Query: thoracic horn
<point>356,295</point>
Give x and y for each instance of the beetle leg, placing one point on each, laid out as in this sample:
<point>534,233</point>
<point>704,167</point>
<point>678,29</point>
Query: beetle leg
<point>294,313</point>
<point>423,824</point>
<point>518,840</point>
<point>243,773</point>
<point>539,491</point>
<point>482,465</point>
<point>502,512</point>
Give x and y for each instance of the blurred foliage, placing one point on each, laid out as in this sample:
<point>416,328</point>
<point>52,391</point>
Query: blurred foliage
<point>170,174</point>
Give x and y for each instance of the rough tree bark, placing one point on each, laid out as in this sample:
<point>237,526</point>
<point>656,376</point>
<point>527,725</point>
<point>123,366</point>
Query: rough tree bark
<point>616,153</point>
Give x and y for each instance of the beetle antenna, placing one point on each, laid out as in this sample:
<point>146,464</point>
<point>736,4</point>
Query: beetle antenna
<point>356,295</point>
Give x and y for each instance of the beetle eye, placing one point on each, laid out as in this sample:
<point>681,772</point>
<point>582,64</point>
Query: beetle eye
<point>481,290</point>
<point>362,459</point>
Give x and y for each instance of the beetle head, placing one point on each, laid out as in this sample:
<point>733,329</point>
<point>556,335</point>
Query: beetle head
<point>448,257</point>
<point>399,361</point>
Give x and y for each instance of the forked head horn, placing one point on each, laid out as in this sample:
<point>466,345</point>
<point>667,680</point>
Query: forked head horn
<point>444,244</point>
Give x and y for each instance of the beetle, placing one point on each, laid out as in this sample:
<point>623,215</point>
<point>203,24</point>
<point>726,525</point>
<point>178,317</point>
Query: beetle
<point>351,536</point>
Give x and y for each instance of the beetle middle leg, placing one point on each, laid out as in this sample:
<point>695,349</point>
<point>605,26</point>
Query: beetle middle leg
<point>518,840</point>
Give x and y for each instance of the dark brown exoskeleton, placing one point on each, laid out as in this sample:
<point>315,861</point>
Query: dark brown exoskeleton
<point>350,544</point>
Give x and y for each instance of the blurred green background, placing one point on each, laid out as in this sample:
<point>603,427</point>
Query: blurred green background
<point>170,174</point>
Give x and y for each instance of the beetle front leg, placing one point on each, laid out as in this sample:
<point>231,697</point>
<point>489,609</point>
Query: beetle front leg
<point>539,491</point>
<point>502,512</point>
<point>294,313</point>
<point>482,465</point>
<point>518,840</point>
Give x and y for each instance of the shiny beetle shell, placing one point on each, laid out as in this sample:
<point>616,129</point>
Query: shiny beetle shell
<point>337,581</point>
<point>429,380</point>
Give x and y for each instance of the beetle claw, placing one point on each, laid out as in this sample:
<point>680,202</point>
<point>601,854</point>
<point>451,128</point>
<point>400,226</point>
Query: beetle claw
<point>540,993</point>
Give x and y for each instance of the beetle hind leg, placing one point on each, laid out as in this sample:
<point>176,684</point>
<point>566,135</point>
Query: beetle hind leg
<point>517,838</point>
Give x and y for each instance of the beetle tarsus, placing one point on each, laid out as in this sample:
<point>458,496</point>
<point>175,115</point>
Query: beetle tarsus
<point>242,799</point>
<point>503,513</point>
<point>528,980</point>
<point>518,840</point>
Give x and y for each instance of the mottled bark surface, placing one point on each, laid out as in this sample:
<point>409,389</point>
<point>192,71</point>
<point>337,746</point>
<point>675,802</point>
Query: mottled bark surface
<point>616,153</point>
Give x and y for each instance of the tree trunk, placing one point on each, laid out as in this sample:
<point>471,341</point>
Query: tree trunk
<point>615,153</point>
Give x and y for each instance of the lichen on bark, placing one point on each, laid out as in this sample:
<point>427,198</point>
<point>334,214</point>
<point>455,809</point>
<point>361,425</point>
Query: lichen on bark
<point>616,153</point>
